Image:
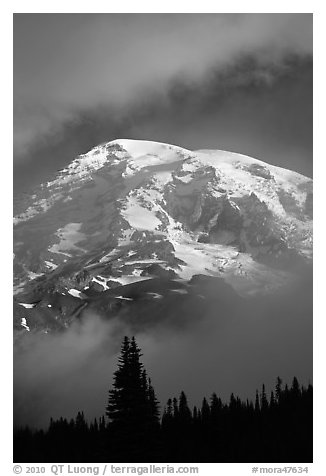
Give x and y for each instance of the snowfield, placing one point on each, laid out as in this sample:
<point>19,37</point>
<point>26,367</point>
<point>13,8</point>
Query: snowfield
<point>138,216</point>
<point>142,203</point>
<point>69,236</point>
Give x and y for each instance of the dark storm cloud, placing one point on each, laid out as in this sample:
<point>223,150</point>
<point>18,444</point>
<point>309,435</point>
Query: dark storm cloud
<point>262,110</point>
<point>69,63</point>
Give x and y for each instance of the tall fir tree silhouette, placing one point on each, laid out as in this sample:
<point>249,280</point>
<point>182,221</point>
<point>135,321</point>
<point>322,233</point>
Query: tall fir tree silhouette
<point>132,408</point>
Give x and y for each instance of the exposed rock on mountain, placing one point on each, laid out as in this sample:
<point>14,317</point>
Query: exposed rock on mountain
<point>129,212</point>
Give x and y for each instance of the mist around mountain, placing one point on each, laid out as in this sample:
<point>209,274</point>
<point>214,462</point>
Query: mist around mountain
<point>205,256</point>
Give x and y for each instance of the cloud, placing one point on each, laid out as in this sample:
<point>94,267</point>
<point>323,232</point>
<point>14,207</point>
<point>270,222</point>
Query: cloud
<point>224,345</point>
<point>263,111</point>
<point>61,374</point>
<point>65,64</point>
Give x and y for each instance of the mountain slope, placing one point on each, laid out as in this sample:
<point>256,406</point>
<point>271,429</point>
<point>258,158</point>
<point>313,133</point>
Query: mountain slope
<point>130,211</point>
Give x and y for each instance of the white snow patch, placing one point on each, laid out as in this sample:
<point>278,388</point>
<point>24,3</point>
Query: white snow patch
<point>145,261</point>
<point>51,265</point>
<point>101,282</point>
<point>155,295</point>
<point>179,291</point>
<point>33,275</point>
<point>137,272</point>
<point>190,166</point>
<point>162,178</point>
<point>125,238</point>
<point>108,256</point>
<point>27,306</point>
<point>138,216</point>
<point>128,279</point>
<point>69,235</point>
<point>75,293</point>
<point>24,324</point>
<point>186,178</point>
<point>199,258</point>
<point>234,176</point>
<point>124,298</point>
<point>148,153</point>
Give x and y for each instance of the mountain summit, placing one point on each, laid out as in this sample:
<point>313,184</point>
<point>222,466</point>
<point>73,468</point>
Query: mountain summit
<point>130,211</point>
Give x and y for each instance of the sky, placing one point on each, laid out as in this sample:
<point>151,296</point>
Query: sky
<point>239,82</point>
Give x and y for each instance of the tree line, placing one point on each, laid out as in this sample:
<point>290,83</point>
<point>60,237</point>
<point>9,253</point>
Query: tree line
<point>273,428</point>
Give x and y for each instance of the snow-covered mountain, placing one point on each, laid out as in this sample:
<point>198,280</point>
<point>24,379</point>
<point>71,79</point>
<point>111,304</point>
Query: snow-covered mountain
<point>133,211</point>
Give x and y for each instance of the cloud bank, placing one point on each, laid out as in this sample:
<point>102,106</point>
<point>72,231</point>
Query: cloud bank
<point>225,348</point>
<point>65,64</point>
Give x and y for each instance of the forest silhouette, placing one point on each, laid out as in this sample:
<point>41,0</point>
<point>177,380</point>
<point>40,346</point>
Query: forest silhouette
<point>273,428</point>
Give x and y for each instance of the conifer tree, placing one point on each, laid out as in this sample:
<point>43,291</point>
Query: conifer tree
<point>132,405</point>
<point>215,407</point>
<point>295,389</point>
<point>195,414</point>
<point>175,408</point>
<point>118,408</point>
<point>154,411</point>
<point>263,400</point>
<point>257,406</point>
<point>272,401</point>
<point>167,414</point>
<point>102,425</point>
<point>205,411</point>
<point>233,402</point>
<point>184,410</point>
<point>278,389</point>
